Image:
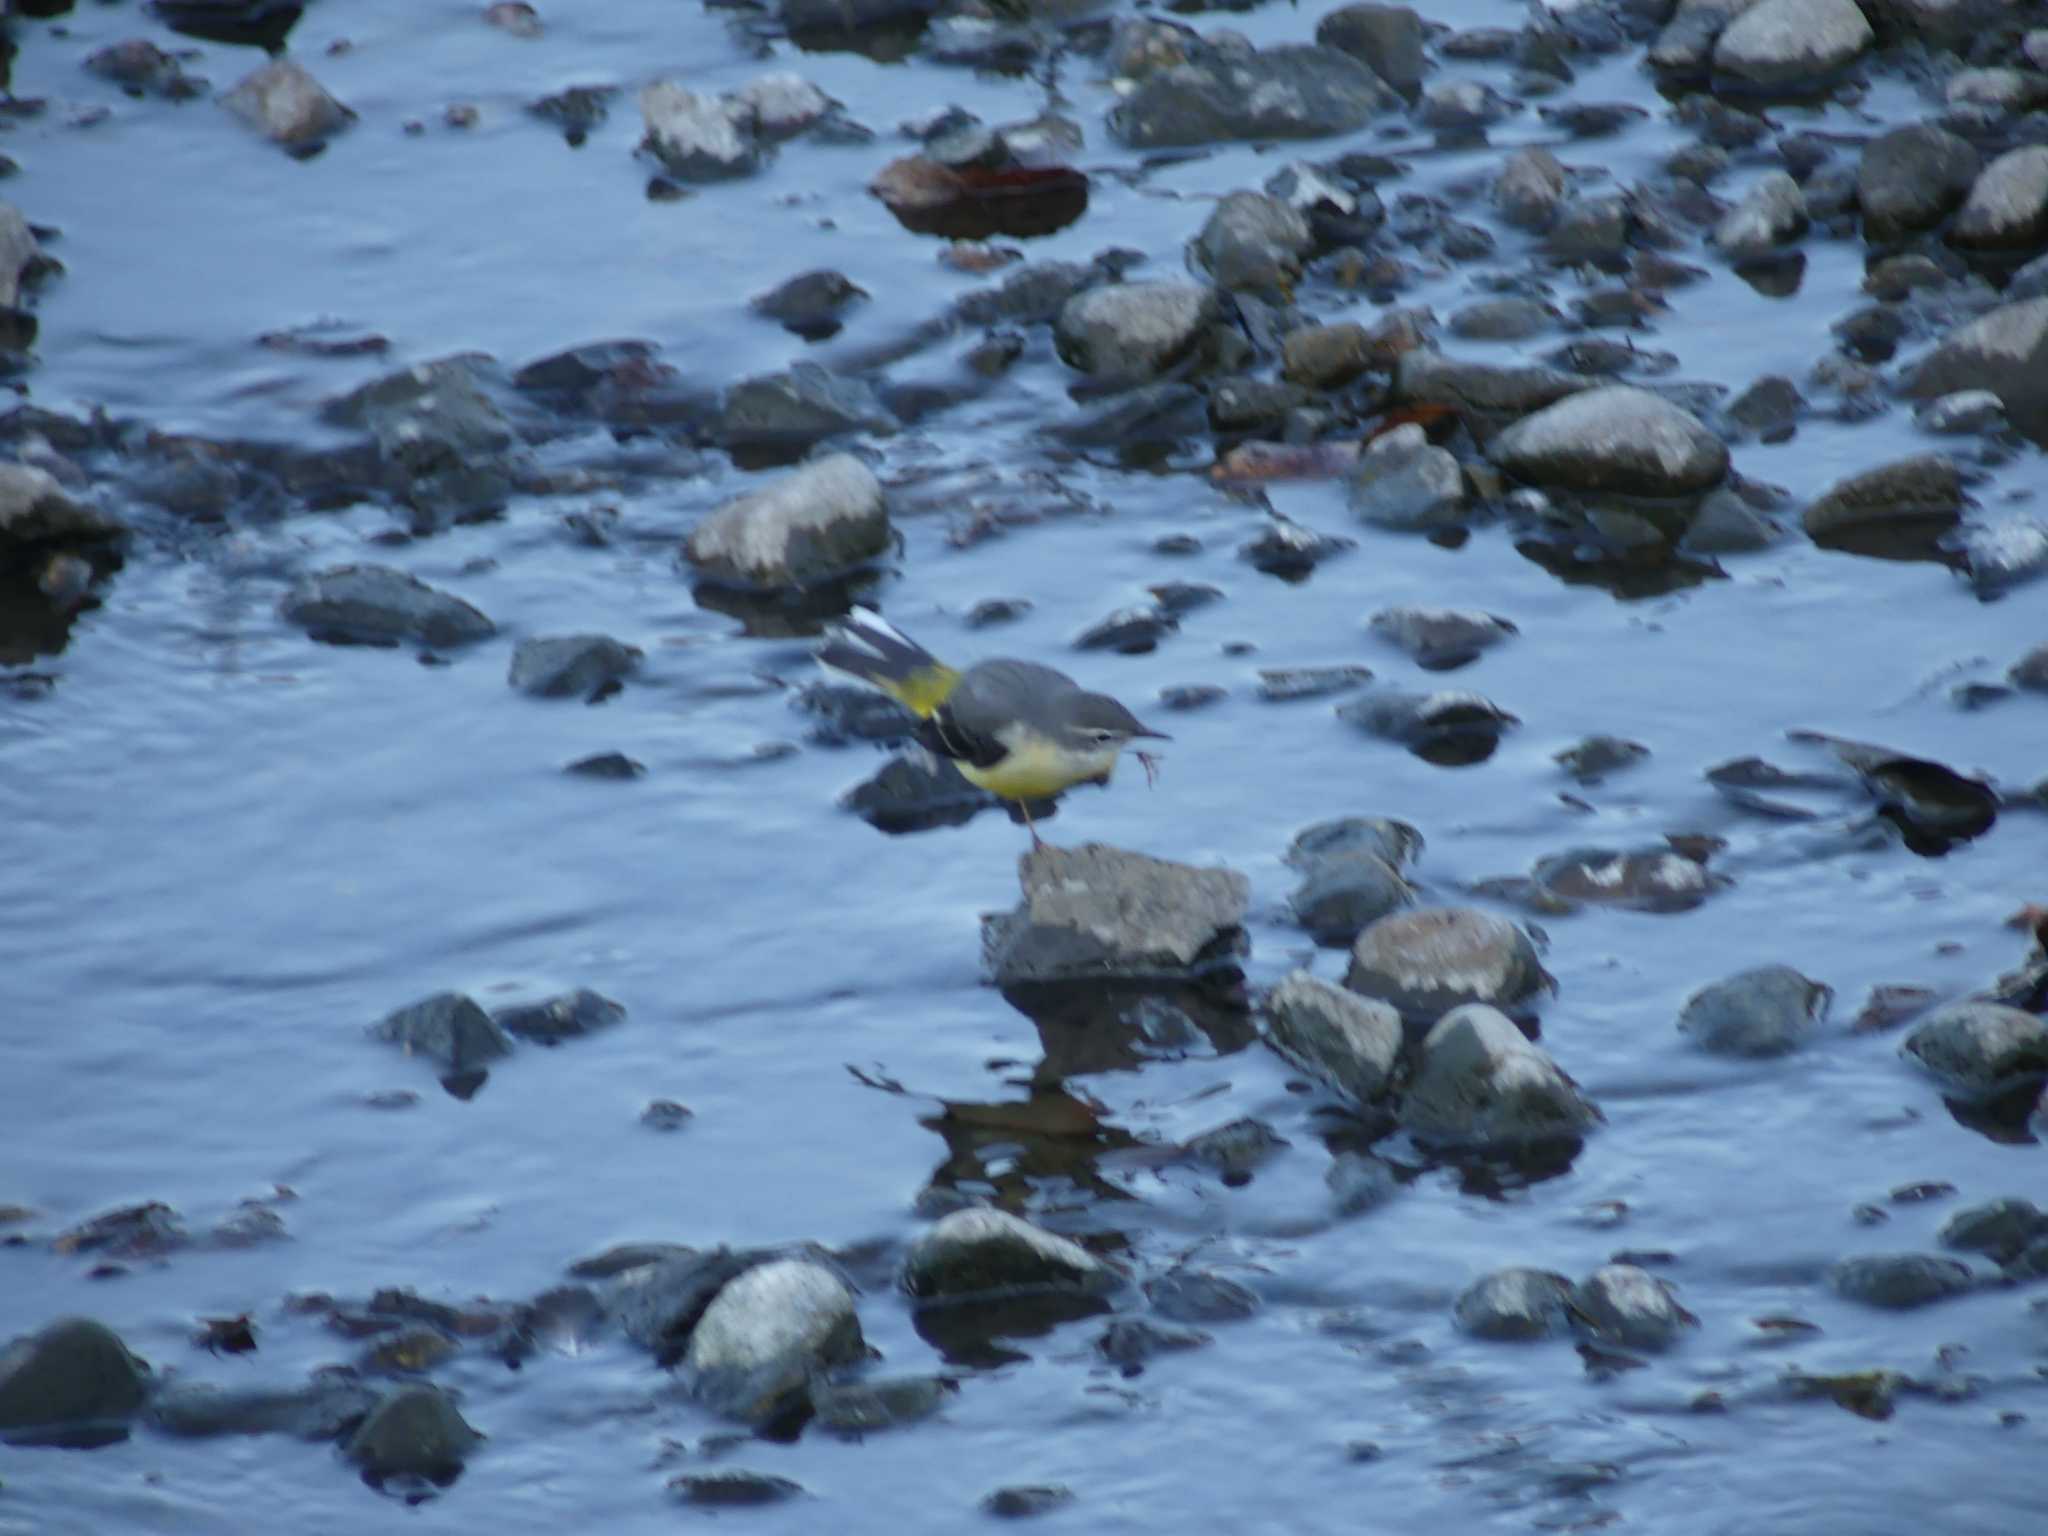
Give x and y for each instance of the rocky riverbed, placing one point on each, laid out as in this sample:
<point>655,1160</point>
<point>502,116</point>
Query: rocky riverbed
<point>1561,1042</point>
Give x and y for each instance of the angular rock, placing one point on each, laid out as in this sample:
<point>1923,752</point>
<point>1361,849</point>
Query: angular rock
<point>1289,92</point>
<point>805,405</point>
<point>1630,1307</point>
<point>1790,45</point>
<point>1325,356</point>
<point>1590,228</point>
<point>663,1290</point>
<point>287,105</point>
<point>1095,912</point>
<point>1593,758</point>
<point>2031,670</point>
<point>2007,209</point>
<point>1200,1296</point>
<point>1386,39</point>
<point>1405,483</point>
<point>1981,1049</point>
<point>980,1249</point>
<point>1352,1043</point>
<point>416,1432</point>
<point>1451,728</point>
<point>1252,242</point>
<point>571,666</point>
<point>73,1382</point>
<point>1515,1304</point>
<point>1482,1083</point>
<point>448,1029</point>
<point>1903,506</point>
<point>2004,351</point>
<point>1766,1011</point>
<point>858,1408</point>
<point>1130,1342</point>
<point>810,304</point>
<point>376,605</point>
<point>1344,890</point>
<point>697,137</point>
<point>1910,178</point>
<point>1901,1280</point>
<point>1966,412</point>
<point>1686,43</point>
<point>820,520</point>
<point>1771,214</point>
<point>565,1017</point>
<point>36,510</point>
<point>766,1333</point>
<point>1615,438</point>
<point>1132,330</point>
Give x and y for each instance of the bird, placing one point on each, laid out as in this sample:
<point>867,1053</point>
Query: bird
<point>1020,730</point>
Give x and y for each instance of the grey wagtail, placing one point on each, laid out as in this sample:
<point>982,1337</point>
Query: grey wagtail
<point>1017,729</point>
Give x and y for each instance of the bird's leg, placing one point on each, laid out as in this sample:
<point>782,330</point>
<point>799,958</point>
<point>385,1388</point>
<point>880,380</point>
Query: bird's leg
<point>1024,810</point>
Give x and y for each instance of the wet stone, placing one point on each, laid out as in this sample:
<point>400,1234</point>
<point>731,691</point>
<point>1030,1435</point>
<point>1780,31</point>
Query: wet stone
<point>1287,685</point>
<point>1405,483</point>
<point>1515,1304</point>
<point>1509,319</point>
<point>1656,879</point>
<point>141,68</point>
<point>324,1409</point>
<point>807,404</point>
<point>565,1017</point>
<point>1896,509</point>
<point>1132,631</point>
<point>2007,209</point>
<point>857,1408</point>
<point>733,1488</point>
<point>1615,438</point>
<point>1767,1011</point>
<point>980,1249</point>
<point>1325,356</point>
<point>1132,330</point>
<point>2031,670</point>
<point>1236,1150</point>
<point>448,1029</point>
<point>1350,1042</point>
<point>1288,92</point>
<point>1452,729</point>
<point>416,1432</point>
<point>1387,39</point>
<point>764,1335</point>
<point>2002,555</point>
<point>35,510</point>
<point>71,1383</point>
<point>1096,912</point>
<point>1481,1083</point>
<point>2001,1230</point>
<point>1025,1501</point>
<point>1429,961</point>
<point>1491,393</point>
<point>1199,1296</point>
<point>1981,1049</point>
<point>1783,46</point>
<point>1531,185</point>
<point>1966,412</point>
<point>915,791</point>
<point>1359,1183</point>
<point>1592,759</point>
<point>1897,1281</point>
<point>1910,178</point>
<point>1771,214</point>
<point>698,137</point>
<point>1590,228</point>
<point>287,105</point>
<point>2004,351</point>
<point>1131,1343</point>
<point>377,605</point>
<point>1631,1307</point>
<point>572,666</point>
<point>1292,551</point>
<point>816,522</point>
<point>1440,639</point>
<point>812,305</point>
<point>1252,242</point>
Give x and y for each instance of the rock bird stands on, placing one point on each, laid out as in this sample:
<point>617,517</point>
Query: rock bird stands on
<point>1017,729</point>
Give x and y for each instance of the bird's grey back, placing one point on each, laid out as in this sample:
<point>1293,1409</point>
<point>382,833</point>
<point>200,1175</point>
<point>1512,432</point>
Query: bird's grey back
<point>991,693</point>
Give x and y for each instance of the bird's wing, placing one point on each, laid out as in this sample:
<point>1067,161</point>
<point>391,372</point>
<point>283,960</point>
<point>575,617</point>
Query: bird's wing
<point>977,722</point>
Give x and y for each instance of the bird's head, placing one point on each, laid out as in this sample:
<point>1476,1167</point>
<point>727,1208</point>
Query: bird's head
<point>1098,724</point>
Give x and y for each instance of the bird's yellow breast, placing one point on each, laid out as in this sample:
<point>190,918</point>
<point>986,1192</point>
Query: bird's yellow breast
<point>1037,766</point>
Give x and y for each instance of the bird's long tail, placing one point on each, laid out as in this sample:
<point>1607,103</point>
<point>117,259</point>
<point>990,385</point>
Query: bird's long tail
<point>866,646</point>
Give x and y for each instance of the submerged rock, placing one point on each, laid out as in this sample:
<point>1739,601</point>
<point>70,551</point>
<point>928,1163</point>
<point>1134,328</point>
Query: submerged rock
<point>1451,728</point>
<point>416,1432</point>
<point>448,1029</point>
<point>766,1333</point>
<point>571,666</point>
<point>1762,1012</point>
<point>376,605</point>
<point>565,1017</point>
<point>2004,351</point>
<point>1441,638</point>
<point>1631,1307</point>
<point>1482,1083</point>
<point>1897,510</point>
<point>71,1383</point>
<point>1289,92</point>
<point>1352,1043</point>
<point>1132,330</point>
<point>1427,962</point>
<point>1096,912</point>
<point>2001,1230</point>
<point>1515,1304</point>
<point>1901,1280</point>
<point>1614,438</point>
<point>859,1408</point>
<point>1981,1049</point>
<point>1024,1501</point>
<point>733,1488</point>
<point>981,1249</point>
<point>287,105</point>
<point>814,523</point>
<point>323,1409</point>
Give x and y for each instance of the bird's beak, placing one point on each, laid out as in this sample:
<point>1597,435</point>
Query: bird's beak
<point>1151,735</point>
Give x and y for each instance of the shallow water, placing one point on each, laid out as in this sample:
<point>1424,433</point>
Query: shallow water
<point>229,849</point>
